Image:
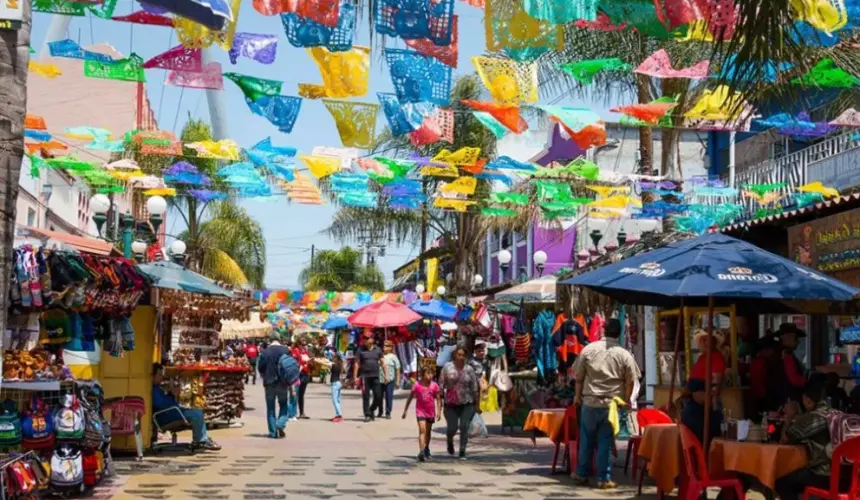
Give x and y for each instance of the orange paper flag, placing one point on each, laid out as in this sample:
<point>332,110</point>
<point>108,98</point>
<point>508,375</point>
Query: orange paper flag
<point>506,114</point>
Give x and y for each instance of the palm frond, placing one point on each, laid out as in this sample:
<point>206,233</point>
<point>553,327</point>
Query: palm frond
<point>220,267</point>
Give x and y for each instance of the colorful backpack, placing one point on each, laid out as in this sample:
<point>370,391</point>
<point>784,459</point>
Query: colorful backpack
<point>69,421</point>
<point>37,425</point>
<point>67,467</point>
<point>93,432</point>
<point>843,426</point>
<point>10,425</point>
<point>91,468</point>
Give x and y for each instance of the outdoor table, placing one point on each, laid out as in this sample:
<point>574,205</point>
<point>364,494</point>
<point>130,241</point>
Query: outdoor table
<point>549,421</point>
<point>765,461</point>
<point>661,446</point>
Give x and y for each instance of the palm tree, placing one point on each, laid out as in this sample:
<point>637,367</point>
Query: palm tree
<point>341,270</point>
<point>462,233</point>
<point>14,58</point>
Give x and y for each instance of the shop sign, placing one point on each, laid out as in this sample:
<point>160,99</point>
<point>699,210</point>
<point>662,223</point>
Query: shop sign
<point>746,274</point>
<point>11,14</point>
<point>830,244</point>
<point>648,269</point>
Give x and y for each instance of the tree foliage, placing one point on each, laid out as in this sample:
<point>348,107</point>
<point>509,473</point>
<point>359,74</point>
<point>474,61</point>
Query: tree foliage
<point>341,270</point>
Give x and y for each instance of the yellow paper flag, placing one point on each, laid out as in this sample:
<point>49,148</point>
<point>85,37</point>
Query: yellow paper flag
<point>218,150</point>
<point>197,36</point>
<point>463,185</point>
<point>823,15</point>
<point>618,201</point>
<point>344,74</point>
<point>160,192</point>
<point>508,80</point>
<point>463,156</point>
<point>356,122</point>
<point>321,166</point>
<point>818,187</point>
<point>47,70</point>
<point>436,171</point>
<point>717,104</point>
<point>607,191</point>
<point>453,204</point>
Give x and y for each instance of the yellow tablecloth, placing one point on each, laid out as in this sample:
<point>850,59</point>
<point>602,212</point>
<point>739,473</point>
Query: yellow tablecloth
<point>549,422</point>
<point>661,446</point>
<point>767,462</point>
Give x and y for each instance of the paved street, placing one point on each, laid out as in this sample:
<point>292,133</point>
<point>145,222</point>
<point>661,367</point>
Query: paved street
<point>350,460</point>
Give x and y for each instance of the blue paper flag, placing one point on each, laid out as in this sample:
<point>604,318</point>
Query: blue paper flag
<point>415,19</point>
<point>419,78</point>
<point>71,49</point>
<point>282,111</point>
<point>303,32</point>
<point>508,163</point>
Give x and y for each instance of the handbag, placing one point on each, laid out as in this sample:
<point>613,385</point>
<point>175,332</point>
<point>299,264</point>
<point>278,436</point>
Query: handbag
<point>502,381</point>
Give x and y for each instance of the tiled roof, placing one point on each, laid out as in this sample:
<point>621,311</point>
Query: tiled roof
<point>832,205</point>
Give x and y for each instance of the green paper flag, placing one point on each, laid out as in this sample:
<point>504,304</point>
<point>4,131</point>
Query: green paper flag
<point>98,178</point>
<point>571,204</point>
<point>398,168</point>
<point>762,189</point>
<point>584,71</point>
<point>491,123</point>
<point>105,10</point>
<point>383,178</point>
<point>583,168</point>
<point>498,212</point>
<point>59,7</point>
<point>512,198</point>
<point>36,164</point>
<point>254,87</point>
<point>110,189</point>
<point>557,214</point>
<point>553,191</point>
<point>827,74</point>
<point>69,163</point>
<point>126,70</point>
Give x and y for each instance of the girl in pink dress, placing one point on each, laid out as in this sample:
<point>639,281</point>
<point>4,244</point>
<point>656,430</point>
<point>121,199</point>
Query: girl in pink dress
<point>428,409</point>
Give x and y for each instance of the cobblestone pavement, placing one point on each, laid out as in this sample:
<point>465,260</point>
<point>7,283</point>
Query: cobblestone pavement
<point>350,460</point>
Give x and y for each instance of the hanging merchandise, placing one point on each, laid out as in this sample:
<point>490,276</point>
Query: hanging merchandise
<point>658,65</point>
<point>585,71</point>
<point>47,70</point>
<point>826,74</point>
<point>511,29</point>
<point>419,78</point>
<point>143,17</point>
<point>258,47</point>
<point>305,32</point>
<point>344,74</point>
<point>508,81</point>
<point>506,114</point>
<point>209,77</point>
<point>321,166</point>
<point>178,58</point>
<point>356,122</point>
<point>542,345</point>
<point>410,19</point>
<point>447,54</point>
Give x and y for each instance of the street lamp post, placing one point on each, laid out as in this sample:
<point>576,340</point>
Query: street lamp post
<point>540,258</point>
<point>101,207</point>
<point>504,262</point>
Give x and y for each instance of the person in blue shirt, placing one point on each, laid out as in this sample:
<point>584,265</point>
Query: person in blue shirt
<point>161,400</point>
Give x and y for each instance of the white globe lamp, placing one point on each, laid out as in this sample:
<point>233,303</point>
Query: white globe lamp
<point>419,288</point>
<point>540,258</point>
<point>441,290</point>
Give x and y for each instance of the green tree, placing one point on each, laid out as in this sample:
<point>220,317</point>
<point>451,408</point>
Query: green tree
<point>343,271</point>
<point>463,233</point>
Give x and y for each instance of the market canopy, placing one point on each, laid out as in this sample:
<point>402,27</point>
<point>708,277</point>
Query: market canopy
<point>713,265</point>
<point>335,322</point>
<point>354,306</point>
<point>166,274</point>
<point>537,290</point>
<point>434,309</point>
<point>383,314</point>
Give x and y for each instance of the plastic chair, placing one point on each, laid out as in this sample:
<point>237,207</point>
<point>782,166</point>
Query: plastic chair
<point>569,437</point>
<point>850,451</point>
<point>644,418</point>
<point>125,416</point>
<point>697,470</point>
<point>174,427</point>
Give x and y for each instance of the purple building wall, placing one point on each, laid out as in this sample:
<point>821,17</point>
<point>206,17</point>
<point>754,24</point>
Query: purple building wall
<point>558,244</point>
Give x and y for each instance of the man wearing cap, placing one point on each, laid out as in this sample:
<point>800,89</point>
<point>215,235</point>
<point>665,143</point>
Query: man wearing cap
<point>793,374</point>
<point>604,371</point>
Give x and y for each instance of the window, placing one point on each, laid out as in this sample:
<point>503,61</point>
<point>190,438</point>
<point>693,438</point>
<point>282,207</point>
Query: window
<point>31,217</point>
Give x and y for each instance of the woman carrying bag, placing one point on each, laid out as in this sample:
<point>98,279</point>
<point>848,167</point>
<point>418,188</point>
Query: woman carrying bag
<point>462,393</point>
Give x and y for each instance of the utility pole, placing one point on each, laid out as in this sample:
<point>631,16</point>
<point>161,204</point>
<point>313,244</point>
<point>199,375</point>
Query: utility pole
<point>424,216</point>
<point>313,248</point>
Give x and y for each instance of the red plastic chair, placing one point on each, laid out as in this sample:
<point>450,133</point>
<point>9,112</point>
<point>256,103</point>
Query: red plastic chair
<point>697,470</point>
<point>644,417</point>
<point>850,451</point>
<point>126,414</point>
<point>569,438</point>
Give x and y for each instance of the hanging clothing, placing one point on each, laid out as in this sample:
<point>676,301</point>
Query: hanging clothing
<point>544,353</point>
<point>595,329</point>
<point>568,339</point>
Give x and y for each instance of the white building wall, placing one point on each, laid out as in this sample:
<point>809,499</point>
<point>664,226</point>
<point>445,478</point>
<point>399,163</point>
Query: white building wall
<point>62,211</point>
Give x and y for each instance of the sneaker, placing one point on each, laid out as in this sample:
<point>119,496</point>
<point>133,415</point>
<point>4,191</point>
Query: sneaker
<point>368,419</point>
<point>210,445</point>
<point>337,419</point>
<point>580,481</point>
<point>304,417</point>
<point>606,485</point>
<point>294,419</point>
<point>427,453</point>
<point>388,417</point>
<point>282,433</point>
<point>451,448</point>
<point>421,457</point>
<point>462,455</point>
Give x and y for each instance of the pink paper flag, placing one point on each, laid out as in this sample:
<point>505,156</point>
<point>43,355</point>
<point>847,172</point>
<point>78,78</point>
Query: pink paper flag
<point>849,118</point>
<point>209,78</point>
<point>658,65</point>
<point>179,58</point>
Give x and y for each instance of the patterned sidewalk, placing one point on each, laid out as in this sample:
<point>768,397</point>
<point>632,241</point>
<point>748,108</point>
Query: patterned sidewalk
<point>350,460</point>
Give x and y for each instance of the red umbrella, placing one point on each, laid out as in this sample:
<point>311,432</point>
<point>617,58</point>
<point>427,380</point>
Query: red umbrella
<point>383,315</point>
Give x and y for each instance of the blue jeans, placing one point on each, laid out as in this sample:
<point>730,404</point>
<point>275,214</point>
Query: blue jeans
<point>388,393</point>
<point>281,393</point>
<point>194,418</point>
<point>595,431</point>
<point>335,397</point>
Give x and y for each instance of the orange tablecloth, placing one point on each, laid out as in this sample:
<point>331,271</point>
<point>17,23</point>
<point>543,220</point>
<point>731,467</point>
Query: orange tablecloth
<point>550,422</point>
<point>767,462</point>
<point>661,445</point>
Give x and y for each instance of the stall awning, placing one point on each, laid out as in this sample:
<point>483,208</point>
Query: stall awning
<point>166,274</point>
<point>536,290</point>
<point>79,243</point>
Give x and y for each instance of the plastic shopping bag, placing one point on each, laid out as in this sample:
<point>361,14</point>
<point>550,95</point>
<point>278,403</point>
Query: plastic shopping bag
<point>477,427</point>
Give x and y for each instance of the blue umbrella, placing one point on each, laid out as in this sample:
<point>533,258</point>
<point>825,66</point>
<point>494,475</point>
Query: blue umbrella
<point>335,322</point>
<point>713,265</point>
<point>355,306</point>
<point>435,309</point>
<point>166,274</point>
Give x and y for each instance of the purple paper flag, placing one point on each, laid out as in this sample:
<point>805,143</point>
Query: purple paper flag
<point>209,78</point>
<point>261,48</point>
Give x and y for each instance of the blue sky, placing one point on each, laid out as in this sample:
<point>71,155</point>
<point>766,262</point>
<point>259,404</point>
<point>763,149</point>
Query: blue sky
<point>290,229</point>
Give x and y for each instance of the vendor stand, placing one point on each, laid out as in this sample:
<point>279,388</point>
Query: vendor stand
<point>715,270</point>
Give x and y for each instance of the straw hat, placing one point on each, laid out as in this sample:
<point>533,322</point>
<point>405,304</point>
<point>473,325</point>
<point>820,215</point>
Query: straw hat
<point>702,334</point>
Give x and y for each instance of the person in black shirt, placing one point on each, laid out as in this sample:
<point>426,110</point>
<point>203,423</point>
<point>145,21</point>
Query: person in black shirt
<point>275,389</point>
<point>367,366</point>
<point>336,372</point>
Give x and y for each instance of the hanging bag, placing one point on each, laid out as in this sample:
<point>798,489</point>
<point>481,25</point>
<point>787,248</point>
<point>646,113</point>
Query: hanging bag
<point>10,425</point>
<point>37,426</point>
<point>69,422</point>
<point>93,433</point>
<point>67,468</point>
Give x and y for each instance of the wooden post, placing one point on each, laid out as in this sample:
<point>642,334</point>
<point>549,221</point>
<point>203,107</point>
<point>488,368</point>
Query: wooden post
<point>678,331</point>
<point>708,377</point>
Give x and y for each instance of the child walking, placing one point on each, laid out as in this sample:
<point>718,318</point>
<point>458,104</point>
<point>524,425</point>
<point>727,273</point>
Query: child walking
<point>428,409</point>
<point>336,385</point>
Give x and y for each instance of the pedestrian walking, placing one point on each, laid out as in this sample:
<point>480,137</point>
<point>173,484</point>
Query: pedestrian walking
<point>606,373</point>
<point>389,374</point>
<point>300,352</point>
<point>252,352</point>
<point>336,386</point>
<point>428,409</point>
<point>276,390</point>
<point>369,361</point>
<point>461,394</point>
